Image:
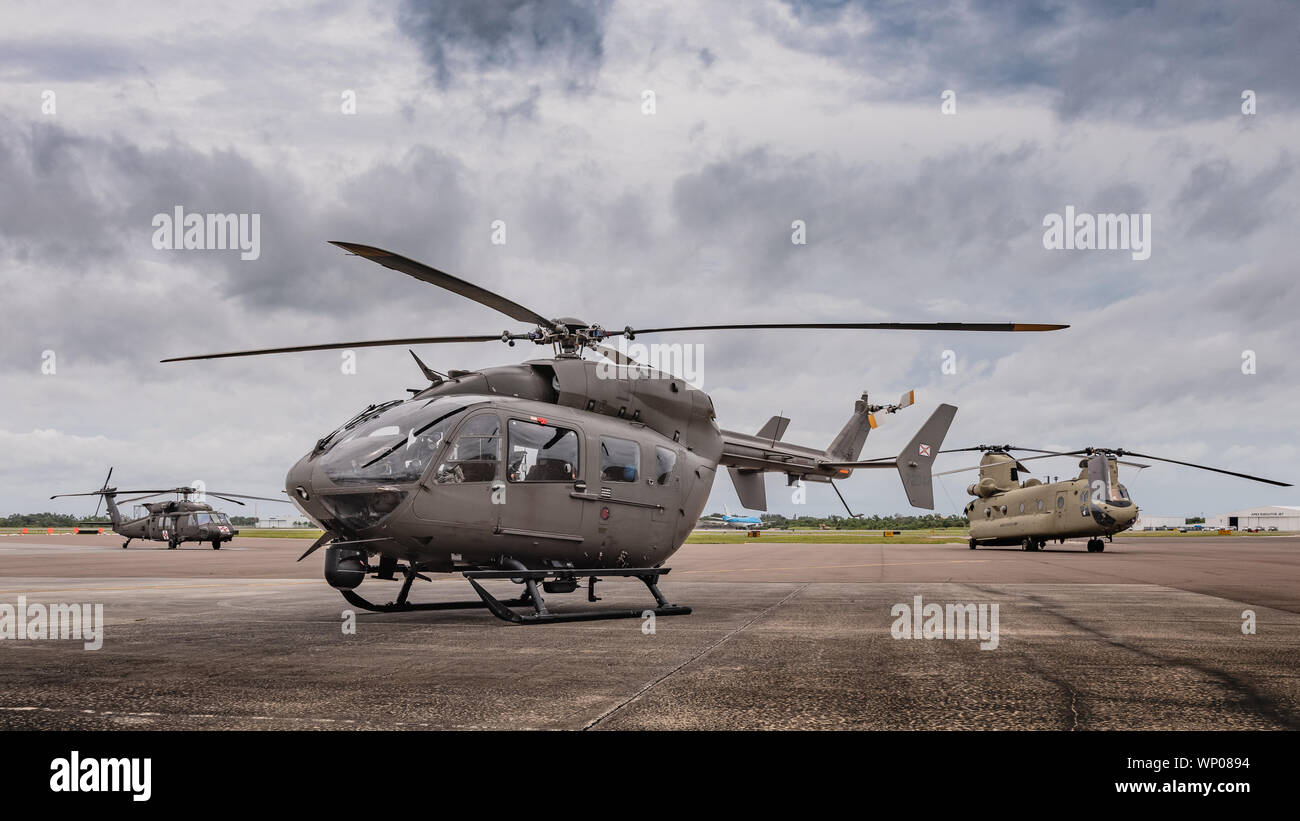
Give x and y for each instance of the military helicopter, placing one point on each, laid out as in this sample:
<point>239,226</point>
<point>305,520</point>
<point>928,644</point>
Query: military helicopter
<point>1095,504</point>
<point>551,470</point>
<point>173,522</point>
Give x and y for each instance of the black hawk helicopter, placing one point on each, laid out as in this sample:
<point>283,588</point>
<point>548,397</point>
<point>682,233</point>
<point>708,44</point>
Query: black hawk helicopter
<point>552,470</point>
<point>176,521</point>
<point>1007,511</point>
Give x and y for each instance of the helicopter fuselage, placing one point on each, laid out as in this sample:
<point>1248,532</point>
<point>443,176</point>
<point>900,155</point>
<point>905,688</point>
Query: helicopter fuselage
<point>177,522</point>
<point>548,464</point>
<point>1046,512</point>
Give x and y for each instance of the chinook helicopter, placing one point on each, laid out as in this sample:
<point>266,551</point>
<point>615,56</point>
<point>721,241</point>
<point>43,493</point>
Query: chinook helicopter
<point>176,521</point>
<point>1094,504</point>
<point>552,470</point>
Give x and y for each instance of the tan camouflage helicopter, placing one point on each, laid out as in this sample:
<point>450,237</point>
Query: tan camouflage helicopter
<point>174,522</point>
<point>552,470</point>
<point>1095,504</point>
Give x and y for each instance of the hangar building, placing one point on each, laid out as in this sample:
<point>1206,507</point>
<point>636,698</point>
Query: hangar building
<point>1283,517</point>
<point>1151,521</point>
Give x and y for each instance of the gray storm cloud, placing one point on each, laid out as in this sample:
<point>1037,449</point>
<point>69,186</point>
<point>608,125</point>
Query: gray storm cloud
<point>530,113</point>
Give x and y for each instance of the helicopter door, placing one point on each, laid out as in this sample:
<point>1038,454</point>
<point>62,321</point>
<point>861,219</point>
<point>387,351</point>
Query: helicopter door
<point>625,503</point>
<point>665,483</point>
<point>465,487</point>
<point>543,461</point>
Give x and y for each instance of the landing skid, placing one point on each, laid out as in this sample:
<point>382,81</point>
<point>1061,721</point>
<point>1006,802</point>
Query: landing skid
<point>532,596</point>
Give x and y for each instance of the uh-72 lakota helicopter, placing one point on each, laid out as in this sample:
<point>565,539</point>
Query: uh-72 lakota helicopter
<point>1095,504</point>
<point>175,521</point>
<point>551,470</point>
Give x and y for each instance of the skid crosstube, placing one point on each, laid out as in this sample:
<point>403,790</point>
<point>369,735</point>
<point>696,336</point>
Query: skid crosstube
<point>532,595</point>
<point>540,615</point>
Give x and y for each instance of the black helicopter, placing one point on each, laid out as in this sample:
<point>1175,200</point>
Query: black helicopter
<point>552,470</point>
<point>176,521</point>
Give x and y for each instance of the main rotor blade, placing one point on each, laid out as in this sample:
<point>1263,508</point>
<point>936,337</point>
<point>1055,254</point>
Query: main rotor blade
<point>227,498</point>
<point>224,495</point>
<point>139,498</point>
<point>994,464</point>
<point>114,491</point>
<point>374,343</point>
<point>1206,467</point>
<point>866,326</point>
<point>444,280</point>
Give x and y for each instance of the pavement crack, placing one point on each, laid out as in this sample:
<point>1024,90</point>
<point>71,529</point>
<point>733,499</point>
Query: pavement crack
<point>1247,693</point>
<point>655,682</point>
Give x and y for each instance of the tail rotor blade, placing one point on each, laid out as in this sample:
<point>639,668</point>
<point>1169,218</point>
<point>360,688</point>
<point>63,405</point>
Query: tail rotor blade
<point>100,503</point>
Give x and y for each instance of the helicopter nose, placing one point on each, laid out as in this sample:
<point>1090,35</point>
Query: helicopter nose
<point>1121,514</point>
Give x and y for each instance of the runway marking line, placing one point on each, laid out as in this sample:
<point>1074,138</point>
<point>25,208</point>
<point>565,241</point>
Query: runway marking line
<point>832,566</point>
<point>157,587</point>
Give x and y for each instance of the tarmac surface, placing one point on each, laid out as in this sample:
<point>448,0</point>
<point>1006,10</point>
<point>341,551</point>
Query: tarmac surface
<point>1148,635</point>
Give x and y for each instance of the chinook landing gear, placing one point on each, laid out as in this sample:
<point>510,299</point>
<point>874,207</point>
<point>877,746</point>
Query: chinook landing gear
<point>345,569</point>
<point>1034,545</point>
<point>1096,545</point>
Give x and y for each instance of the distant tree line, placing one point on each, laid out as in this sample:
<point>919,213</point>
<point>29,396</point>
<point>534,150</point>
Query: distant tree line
<point>244,521</point>
<point>896,521</point>
<point>40,520</point>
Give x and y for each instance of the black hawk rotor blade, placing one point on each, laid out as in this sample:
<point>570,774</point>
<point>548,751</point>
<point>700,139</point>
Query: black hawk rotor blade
<point>233,496</point>
<point>115,492</point>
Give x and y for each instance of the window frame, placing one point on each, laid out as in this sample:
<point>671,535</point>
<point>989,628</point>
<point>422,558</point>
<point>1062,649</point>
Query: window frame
<point>672,471</point>
<point>453,441</point>
<point>600,442</point>
<point>560,425</point>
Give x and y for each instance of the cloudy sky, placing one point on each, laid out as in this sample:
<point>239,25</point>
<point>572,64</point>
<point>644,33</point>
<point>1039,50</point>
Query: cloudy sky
<point>534,113</point>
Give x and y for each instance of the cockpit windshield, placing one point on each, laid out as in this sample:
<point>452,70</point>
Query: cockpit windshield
<point>394,446</point>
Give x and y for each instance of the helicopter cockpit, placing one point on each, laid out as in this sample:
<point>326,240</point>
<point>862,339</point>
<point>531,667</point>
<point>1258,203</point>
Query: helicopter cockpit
<point>395,445</point>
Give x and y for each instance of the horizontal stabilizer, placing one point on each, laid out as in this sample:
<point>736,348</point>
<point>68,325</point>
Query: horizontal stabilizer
<point>916,460</point>
<point>750,488</point>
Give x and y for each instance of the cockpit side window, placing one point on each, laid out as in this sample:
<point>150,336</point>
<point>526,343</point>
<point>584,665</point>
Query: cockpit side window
<point>475,456</point>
